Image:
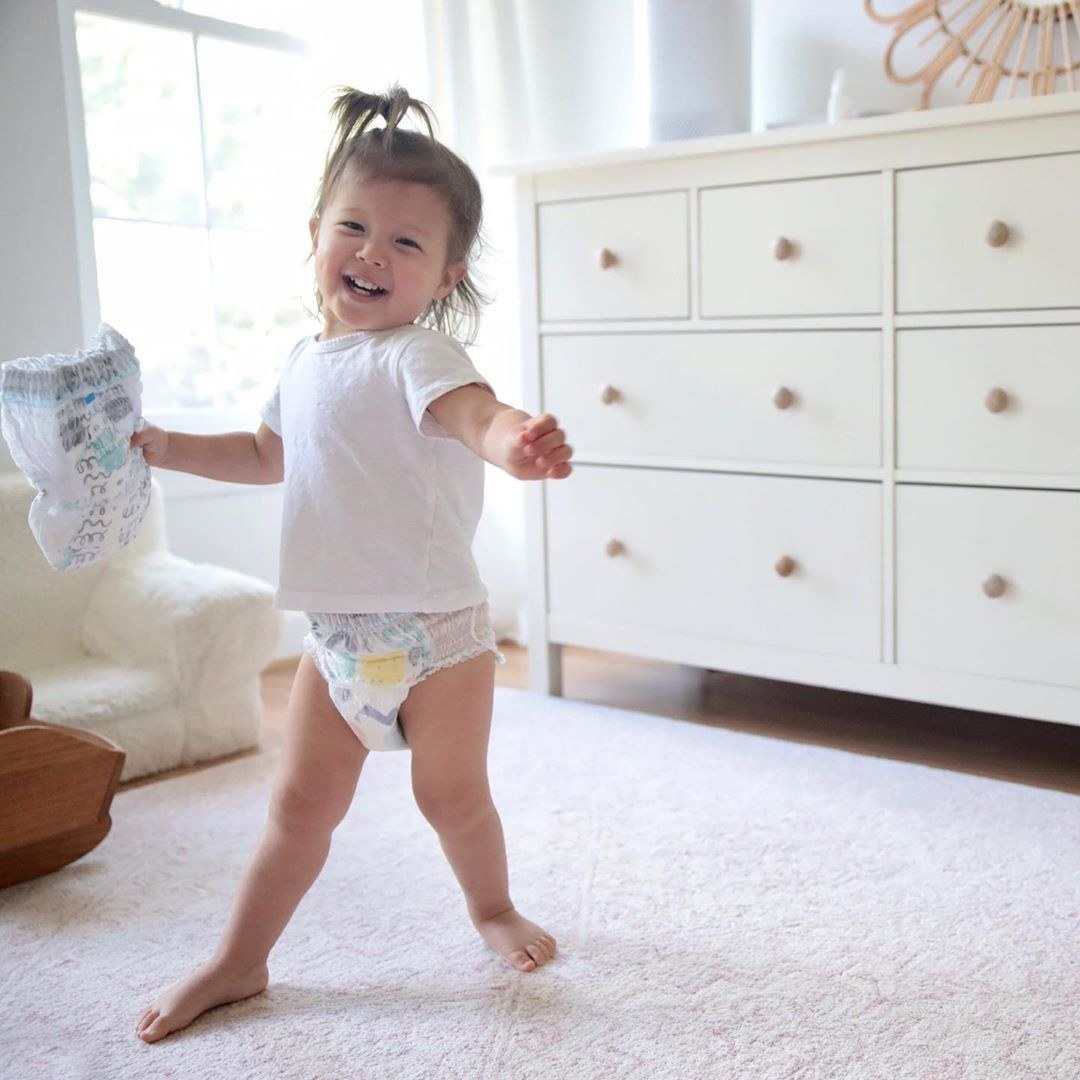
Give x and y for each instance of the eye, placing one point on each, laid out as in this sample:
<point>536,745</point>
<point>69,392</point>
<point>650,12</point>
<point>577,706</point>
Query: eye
<point>353,226</point>
<point>406,242</point>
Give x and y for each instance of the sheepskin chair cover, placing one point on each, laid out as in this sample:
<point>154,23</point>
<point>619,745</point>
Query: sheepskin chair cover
<point>159,654</point>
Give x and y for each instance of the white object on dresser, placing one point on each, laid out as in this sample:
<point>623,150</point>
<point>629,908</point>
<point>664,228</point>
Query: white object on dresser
<point>823,387</point>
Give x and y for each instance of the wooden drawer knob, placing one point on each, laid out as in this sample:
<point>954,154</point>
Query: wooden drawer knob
<point>997,400</point>
<point>609,394</point>
<point>994,586</point>
<point>785,566</point>
<point>998,234</point>
<point>614,548</point>
<point>783,398</point>
<point>606,258</point>
<point>783,248</point>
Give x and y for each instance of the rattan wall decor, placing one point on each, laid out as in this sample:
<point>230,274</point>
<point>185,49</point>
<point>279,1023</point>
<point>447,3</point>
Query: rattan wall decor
<point>998,43</point>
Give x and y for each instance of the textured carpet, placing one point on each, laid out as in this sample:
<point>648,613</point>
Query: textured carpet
<point>727,906</point>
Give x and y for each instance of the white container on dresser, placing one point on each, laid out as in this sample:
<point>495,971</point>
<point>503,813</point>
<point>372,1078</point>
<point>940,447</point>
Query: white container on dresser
<point>823,387</point>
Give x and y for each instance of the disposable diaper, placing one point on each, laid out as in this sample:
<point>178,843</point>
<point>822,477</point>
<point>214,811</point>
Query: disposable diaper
<point>68,422</point>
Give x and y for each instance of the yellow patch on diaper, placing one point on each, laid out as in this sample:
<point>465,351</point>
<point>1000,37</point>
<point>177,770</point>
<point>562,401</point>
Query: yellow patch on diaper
<point>385,670</point>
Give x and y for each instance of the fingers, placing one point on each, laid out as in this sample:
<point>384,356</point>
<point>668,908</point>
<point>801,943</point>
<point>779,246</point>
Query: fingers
<point>538,427</point>
<point>547,444</point>
<point>544,443</point>
<point>554,464</point>
<point>143,436</point>
<point>152,442</point>
<point>541,436</point>
<point>557,456</point>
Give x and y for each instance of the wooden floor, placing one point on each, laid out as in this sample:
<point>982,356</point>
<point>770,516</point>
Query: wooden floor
<point>1022,751</point>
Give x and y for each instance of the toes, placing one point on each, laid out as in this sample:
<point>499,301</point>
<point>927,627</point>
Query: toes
<point>148,1034</point>
<point>156,1029</point>
<point>541,950</point>
<point>522,961</point>
<point>149,1014</point>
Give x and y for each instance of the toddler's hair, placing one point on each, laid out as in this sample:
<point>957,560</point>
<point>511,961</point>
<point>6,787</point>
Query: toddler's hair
<point>395,153</point>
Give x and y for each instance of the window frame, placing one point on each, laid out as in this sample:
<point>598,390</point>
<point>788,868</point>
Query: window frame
<point>148,13</point>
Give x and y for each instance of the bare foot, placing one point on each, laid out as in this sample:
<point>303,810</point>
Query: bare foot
<point>206,988</point>
<point>521,943</point>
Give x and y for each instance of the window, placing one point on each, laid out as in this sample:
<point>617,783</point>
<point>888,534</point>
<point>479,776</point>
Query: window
<point>205,142</point>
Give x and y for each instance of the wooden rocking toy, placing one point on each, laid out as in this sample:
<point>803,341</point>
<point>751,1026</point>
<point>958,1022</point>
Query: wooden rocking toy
<point>56,786</point>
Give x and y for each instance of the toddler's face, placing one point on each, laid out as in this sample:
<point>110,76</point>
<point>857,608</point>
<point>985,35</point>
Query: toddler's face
<point>380,254</point>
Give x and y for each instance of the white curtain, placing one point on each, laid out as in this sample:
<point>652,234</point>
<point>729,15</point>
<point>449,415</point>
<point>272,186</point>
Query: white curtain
<point>515,80</point>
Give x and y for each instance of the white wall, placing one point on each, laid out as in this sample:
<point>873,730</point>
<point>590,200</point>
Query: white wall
<point>797,46</point>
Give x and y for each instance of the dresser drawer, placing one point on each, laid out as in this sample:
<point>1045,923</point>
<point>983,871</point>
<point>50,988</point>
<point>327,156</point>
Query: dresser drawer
<point>999,399</point>
<point>953,544</point>
<point>697,553</point>
<point>804,247</point>
<point>657,398</point>
<point>1002,234</point>
<point>619,258</point>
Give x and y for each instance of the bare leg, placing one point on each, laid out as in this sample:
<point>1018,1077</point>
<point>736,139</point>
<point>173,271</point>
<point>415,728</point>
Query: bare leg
<point>320,766</point>
<point>447,720</point>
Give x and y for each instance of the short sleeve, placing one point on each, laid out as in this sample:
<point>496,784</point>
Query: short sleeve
<point>429,365</point>
<point>271,411</point>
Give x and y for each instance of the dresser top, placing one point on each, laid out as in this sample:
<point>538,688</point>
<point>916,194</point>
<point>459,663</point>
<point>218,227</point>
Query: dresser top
<point>919,120</point>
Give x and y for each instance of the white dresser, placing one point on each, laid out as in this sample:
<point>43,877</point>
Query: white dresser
<point>823,387</point>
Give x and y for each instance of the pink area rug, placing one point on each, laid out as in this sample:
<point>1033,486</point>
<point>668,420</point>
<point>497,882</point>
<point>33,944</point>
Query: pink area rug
<point>728,906</point>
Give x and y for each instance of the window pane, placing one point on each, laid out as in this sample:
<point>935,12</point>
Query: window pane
<point>262,285</point>
<point>142,120</point>
<point>208,275</point>
<point>265,143</point>
<point>154,282</point>
<point>355,42</point>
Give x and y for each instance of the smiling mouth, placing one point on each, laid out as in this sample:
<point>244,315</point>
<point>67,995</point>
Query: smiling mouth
<point>364,288</point>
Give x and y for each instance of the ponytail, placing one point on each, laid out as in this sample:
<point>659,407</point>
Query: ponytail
<point>355,111</point>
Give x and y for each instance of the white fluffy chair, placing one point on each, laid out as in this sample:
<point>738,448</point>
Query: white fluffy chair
<point>158,654</point>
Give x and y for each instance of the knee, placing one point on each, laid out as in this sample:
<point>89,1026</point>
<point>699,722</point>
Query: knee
<point>449,806</point>
<point>299,809</point>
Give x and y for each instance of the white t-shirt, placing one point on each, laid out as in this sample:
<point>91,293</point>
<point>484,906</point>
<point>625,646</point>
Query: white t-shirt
<point>381,504</point>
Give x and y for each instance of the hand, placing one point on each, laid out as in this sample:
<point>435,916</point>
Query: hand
<point>537,450</point>
<point>154,442</point>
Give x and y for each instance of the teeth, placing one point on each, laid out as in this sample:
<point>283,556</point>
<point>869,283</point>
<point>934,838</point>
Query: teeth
<point>364,285</point>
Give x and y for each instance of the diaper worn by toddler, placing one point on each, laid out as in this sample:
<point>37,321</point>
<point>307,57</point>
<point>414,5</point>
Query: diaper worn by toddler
<point>68,422</point>
<point>371,661</point>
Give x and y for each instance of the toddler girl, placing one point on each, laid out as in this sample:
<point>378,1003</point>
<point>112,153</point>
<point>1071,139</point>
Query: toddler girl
<point>380,427</point>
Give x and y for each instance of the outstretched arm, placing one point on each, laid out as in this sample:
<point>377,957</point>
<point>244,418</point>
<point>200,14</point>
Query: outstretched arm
<point>241,457</point>
<point>527,447</point>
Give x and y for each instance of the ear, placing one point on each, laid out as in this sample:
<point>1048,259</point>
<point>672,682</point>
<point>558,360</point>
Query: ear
<point>451,276</point>
<point>313,228</point>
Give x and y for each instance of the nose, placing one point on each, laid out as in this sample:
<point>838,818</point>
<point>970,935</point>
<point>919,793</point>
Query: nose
<point>370,253</point>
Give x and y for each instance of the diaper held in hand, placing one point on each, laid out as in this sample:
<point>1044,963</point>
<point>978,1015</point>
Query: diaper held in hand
<point>68,422</point>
